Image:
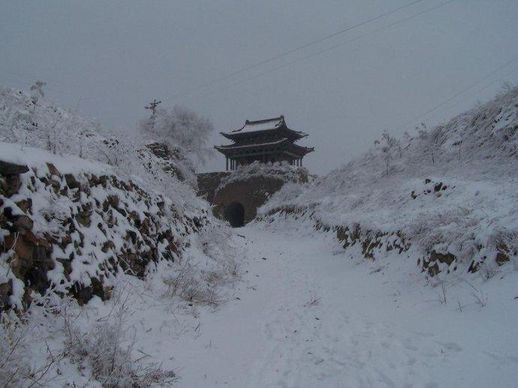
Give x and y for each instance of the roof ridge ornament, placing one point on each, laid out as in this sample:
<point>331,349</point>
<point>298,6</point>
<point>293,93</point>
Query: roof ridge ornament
<point>279,122</point>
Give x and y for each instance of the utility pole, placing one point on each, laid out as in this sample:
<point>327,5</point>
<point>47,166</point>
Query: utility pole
<point>152,106</point>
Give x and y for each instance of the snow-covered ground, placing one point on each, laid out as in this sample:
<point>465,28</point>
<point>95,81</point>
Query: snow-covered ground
<point>280,304</point>
<point>308,315</point>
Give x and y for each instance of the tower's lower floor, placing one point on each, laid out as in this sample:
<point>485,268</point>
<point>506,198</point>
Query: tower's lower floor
<point>234,163</point>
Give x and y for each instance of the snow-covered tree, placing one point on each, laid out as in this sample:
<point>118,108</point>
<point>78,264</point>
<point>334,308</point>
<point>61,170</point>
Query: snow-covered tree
<point>432,140</point>
<point>181,129</point>
<point>37,91</point>
<point>389,147</point>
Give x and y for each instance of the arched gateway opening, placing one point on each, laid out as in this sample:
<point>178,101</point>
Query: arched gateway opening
<point>235,214</point>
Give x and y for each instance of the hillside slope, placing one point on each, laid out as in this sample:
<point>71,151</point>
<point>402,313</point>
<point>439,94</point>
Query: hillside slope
<point>32,120</point>
<point>450,194</point>
<point>85,214</point>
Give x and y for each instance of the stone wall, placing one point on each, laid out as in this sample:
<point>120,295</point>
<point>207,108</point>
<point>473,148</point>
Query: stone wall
<point>209,182</point>
<point>73,233</point>
<point>237,195</point>
<point>251,193</point>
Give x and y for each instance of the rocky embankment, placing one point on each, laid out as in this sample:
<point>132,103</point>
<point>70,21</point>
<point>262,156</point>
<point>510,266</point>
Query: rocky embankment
<point>71,233</point>
<point>374,244</point>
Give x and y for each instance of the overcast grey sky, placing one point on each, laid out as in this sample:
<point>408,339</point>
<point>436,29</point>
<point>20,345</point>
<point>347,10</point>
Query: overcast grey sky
<point>108,58</point>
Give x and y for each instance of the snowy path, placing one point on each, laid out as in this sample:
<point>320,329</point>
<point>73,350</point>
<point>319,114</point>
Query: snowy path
<point>306,317</point>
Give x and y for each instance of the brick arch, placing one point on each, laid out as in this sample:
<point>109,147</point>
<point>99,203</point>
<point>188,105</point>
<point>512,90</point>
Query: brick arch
<point>234,213</point>
<point>251,194</point>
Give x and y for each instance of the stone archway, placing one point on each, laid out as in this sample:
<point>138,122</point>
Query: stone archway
<point>241,195</point>
<point>235,214</point>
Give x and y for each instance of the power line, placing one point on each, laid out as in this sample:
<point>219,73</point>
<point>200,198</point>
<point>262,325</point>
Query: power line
<point>462,91</point>
<point>303,46</point>
<point>309,44</point>
<point>490,83</point>
<point>320,40</point>
<point>338,45</point>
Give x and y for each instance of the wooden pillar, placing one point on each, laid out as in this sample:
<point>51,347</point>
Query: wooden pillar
<point>226,164</point>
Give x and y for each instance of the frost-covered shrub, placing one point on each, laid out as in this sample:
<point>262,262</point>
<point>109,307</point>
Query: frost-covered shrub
<point>107,350</point>
<point>215,243</point>
<point>15,367</point>
<point>215,266</point>
<point>29,119</point>
<point>390,148</point>
<point>18,342</point>
<point>184,282</point>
